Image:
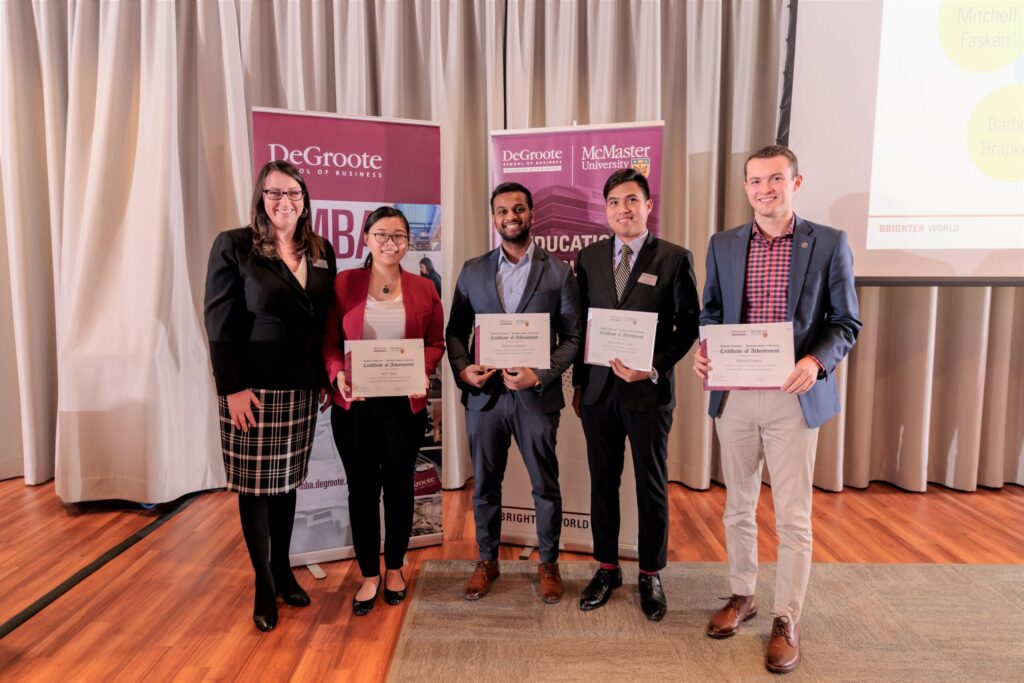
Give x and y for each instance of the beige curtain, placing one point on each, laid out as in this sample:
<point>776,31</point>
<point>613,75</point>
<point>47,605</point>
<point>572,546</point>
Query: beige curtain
<point>125,147</point>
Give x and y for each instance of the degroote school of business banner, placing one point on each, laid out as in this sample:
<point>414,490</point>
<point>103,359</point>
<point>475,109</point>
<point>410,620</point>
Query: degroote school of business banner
<point>565,170</point>
<point>351,166</point>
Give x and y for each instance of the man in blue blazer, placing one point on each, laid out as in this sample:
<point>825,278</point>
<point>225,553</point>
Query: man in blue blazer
<point>525,403</point>
<point>777,268</point>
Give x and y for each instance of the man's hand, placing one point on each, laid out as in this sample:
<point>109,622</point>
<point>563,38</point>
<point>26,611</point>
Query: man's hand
<point>517,379</point>
<point>701,364</point>
<point>476,375</point>
<point>628,374</point>
<point>803,377</point>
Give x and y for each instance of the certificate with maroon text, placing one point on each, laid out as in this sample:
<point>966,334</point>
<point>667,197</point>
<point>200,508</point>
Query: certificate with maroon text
<point>747,357</point>
<point>385,367</point>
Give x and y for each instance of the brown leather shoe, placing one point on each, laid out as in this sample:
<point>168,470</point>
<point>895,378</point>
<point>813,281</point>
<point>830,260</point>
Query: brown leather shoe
<point>551,588</point>
<point>738,609</point>
<point>783,653</point>
<point>479,583</point>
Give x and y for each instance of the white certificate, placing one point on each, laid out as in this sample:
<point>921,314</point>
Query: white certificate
<point>746,357</point>
<point>626,335</point>
<point>513,340</point>
<point>385,367</point>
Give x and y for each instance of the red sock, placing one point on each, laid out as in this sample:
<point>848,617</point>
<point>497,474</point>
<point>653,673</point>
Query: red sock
<point>609,567</point>
<point>648,573</point>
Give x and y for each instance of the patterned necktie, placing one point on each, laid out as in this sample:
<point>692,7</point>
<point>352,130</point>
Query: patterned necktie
<point>622,271</point>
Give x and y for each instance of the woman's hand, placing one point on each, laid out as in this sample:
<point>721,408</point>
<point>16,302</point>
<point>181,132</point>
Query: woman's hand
<point>240,406</point>
<point>325,399</point>
<point>345,389</point>
<point>426,389</point>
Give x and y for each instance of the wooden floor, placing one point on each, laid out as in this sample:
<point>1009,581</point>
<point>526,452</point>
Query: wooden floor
<point>177,605</point>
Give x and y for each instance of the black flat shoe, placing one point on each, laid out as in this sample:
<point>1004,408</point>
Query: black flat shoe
<point>395,597</point>
<point>600,588</point>
<point>290,590</point>
<point>652,598</point>
<point>264,612</point>
<point>361,608</point>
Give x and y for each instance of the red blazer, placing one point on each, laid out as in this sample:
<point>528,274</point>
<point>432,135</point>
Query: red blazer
<point>424,318</point>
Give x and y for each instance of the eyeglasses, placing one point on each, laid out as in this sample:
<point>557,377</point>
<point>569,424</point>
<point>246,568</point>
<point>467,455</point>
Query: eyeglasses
<point>294,195</point>
<point>398,238</point>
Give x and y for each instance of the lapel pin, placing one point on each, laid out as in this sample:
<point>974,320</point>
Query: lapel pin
<point>803,245</point>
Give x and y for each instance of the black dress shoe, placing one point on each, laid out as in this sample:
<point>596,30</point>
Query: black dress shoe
<point>264,611</point>
<point>290,590</point>
<point>394,597</point>
<point>600,588</point>
<point>361,608</point>
<point>652,597</point>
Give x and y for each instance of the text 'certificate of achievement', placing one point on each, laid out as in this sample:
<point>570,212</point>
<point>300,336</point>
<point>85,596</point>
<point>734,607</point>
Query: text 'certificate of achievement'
<point>513,340</point>
<point>626,335</point>
<point>385,367</point>
<point>747,357</point>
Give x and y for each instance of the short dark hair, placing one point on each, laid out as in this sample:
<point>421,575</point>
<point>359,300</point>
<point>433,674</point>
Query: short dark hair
<point>770,152</point>
<point>505,188</point>
<point>627,175</point>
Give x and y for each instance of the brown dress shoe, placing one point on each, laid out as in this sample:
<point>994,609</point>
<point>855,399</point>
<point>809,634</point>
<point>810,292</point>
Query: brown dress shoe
<point>551,588</point>
<point>783,653</point>
<point>738,609</point>
<point>479,583</point>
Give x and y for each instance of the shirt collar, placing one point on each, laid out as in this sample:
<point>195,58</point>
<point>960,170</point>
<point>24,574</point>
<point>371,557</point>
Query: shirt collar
<point>636,244</point>
<point>761,233</point>
<point>527,257</point>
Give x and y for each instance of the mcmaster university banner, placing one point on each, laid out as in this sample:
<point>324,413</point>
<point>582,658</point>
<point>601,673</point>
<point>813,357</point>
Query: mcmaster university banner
<point>351,166</point>
<point>565,170</point>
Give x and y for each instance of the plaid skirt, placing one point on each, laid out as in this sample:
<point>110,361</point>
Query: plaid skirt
<point>273,456</point>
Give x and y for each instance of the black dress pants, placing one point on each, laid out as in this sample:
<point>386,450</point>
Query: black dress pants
<point>378,440</point>
<point>607,424</point>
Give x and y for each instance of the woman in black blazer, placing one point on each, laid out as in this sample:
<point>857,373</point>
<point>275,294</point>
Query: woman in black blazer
<point>268,288</point>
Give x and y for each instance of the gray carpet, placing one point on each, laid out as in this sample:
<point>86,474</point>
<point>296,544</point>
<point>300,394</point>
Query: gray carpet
<point>862,623</point>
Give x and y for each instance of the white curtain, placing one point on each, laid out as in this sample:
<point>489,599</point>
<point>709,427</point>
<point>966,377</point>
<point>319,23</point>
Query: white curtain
<point>125,147</point>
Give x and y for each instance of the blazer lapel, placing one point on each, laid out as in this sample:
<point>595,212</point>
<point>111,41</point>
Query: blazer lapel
<point>603,272</point>
<point>803,247</point>
<point>410,303</point>
<point>537,265</point>
<point>741,247</point>
<point>643,259</point>
<point>490,286</point>
<point>278,268</point>
<point>357,292</point>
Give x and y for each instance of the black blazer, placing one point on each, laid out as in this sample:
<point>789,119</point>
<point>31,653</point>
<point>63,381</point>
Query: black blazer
<point>265,330</point>
<point>673,297</point>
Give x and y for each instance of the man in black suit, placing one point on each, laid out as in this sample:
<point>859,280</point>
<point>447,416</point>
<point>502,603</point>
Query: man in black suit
<point>525,403</point>
<point>634,271</point>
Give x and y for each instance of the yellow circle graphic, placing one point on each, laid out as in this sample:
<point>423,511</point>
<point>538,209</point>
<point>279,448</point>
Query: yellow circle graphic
<point>983,35</point>
<point>995,134</point>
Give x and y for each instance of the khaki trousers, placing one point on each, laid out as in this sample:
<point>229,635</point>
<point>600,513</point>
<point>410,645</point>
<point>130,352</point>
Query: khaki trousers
<point>768,426</point>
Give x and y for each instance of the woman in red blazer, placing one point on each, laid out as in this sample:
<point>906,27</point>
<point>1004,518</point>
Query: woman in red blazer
<point>379,438</point>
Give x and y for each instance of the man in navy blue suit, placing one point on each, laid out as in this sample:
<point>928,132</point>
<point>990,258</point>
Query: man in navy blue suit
<point>522,403</point>
<point>777,268</point>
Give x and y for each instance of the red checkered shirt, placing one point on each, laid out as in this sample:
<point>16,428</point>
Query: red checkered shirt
<point>766,292</point>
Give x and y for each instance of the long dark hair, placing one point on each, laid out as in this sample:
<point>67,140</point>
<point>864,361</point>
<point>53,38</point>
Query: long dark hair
<point>307,243</point>
<point>380,213</point>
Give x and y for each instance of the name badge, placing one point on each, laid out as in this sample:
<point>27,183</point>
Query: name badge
<point>648,279</point>
<point>320,263</point>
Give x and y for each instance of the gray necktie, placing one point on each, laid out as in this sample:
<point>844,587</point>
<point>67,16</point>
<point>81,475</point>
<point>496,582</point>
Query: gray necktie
<point>622,271</point>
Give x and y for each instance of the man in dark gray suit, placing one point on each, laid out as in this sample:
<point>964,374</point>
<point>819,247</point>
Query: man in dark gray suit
<point>525,403</point>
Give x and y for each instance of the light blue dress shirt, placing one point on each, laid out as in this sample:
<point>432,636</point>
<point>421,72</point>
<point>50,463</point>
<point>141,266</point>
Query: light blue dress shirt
<point>511,278</point>
<point>635,245</point>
